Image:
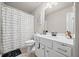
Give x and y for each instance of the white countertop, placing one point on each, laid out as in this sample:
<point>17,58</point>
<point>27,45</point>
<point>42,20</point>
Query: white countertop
<point>62,39</point>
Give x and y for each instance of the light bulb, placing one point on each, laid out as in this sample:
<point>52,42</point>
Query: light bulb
<point>54,3</point>
<point>50,4</point>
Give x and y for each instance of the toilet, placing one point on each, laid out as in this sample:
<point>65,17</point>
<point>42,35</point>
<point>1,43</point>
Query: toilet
<point>30,46</point>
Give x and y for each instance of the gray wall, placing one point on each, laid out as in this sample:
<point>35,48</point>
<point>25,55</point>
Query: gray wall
<point>56,22</point>
<point>76,41</point>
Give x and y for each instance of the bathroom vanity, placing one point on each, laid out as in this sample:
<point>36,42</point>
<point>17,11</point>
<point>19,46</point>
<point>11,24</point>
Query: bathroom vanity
<point>53,46</point>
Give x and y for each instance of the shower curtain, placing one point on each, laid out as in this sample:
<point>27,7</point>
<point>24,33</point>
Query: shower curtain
<point>17,27</point>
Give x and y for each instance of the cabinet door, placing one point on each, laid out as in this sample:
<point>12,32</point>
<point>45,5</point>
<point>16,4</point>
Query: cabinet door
<point>46,42</point>
<point>42,49</point>
<point>51,53</point>
<point>39,50</point>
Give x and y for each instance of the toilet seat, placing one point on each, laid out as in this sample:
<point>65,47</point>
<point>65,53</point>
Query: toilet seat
<point>29,42</point>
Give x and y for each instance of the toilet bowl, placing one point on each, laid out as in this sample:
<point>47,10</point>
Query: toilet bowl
<point>29,42</point>
<point>29,45</point>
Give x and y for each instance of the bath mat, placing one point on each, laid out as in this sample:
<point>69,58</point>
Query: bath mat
<point>13,53</point>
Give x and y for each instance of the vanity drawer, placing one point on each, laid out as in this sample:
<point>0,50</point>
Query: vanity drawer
<point>46,42</point>
<point>62,48</point>
<point>51,53</point>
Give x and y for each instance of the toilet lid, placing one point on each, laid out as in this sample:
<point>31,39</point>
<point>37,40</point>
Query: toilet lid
<point>30,42</point>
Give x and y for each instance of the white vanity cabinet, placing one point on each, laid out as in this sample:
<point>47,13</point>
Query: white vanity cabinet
<point>46,47</point>
<point>62,48</point>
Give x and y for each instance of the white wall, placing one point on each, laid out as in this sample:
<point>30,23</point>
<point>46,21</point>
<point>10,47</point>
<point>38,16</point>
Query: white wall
<point>56,22</point>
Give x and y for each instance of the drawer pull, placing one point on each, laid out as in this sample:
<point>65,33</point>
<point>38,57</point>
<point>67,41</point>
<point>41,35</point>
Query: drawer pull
<point>62,50</point>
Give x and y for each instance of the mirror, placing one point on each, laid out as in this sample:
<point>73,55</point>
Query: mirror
<point>60,18</point>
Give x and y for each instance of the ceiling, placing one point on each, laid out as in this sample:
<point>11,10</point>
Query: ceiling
<point>31,6</point>
<point>25,6</point>
<point>59,6</point>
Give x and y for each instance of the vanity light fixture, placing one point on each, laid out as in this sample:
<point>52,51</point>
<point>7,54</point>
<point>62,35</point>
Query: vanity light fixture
<point>50,4</point>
